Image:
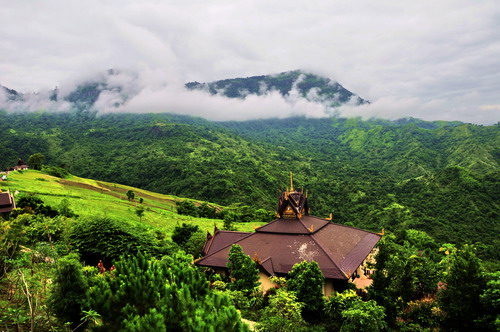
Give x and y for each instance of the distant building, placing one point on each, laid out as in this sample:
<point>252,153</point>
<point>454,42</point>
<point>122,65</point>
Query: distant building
<point>340,251</point>
<point>21,166</point>
<point>7,202</point>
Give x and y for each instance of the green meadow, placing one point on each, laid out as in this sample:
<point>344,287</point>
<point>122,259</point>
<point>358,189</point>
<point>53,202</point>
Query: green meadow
<point>91,198</point>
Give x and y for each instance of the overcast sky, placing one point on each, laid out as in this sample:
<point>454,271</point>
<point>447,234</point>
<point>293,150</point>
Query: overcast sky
<point>428,59</point>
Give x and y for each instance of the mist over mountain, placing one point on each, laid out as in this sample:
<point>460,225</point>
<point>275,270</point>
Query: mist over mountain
<point>293,93</point>
<point>291,84</point>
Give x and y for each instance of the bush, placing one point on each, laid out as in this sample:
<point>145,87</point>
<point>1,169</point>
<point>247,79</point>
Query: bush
<point>68,291</point>
<point>33,204</point>
<point>306,280</point>
<point>243,271</point>
<point>107,239</point>
<point>285,305</point>
<point>186,208</point>
<point>425,313</point>
<point>150,295</point>
<point>181,234</point>
<point>55,171</point>
<point>363,316</point>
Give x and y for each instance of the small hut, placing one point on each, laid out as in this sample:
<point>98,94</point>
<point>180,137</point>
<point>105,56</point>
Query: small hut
<point>7,202</point>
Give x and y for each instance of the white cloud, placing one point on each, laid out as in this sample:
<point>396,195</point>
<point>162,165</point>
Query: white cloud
<point>419,55</point>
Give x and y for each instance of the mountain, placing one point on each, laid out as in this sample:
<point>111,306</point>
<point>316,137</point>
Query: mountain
<point>291,84</point>
<point>114,88</point>
<point>10,93</point>
<point>434,176</point>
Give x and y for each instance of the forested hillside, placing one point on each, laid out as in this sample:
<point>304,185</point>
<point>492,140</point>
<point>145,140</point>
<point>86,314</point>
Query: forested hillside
<point>309,86</point>
<point>439,177</point>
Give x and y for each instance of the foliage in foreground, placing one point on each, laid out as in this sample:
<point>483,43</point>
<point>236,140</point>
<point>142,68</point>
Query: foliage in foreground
<point>68,291</point>
<point>348,312</point>
<point>106,239</point>
<point>460,297</point>
<point>306,281</point>
<point>156,295</point>
<point>243,271</point>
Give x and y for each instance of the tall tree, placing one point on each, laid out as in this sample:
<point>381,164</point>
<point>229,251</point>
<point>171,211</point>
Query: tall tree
<point>242,270</point>
<point>36,161</point>
<point>402,273</point>
<point>130,195</point>
<point>491,302</point>
<point>460,299</point>
<point>306,280</point>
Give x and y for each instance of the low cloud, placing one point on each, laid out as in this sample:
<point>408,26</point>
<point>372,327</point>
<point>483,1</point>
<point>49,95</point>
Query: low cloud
<point>424,59</point>
<point>151,92</point>
<point>179,100</point>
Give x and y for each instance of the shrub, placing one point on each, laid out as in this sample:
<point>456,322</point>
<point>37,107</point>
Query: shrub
<point>150,295</point>
<point>306,280</point>
<point>243,271</point>
<point>107,239</point>
<point>55,171</point>
<point>363,316</point>
<point>68,291</point>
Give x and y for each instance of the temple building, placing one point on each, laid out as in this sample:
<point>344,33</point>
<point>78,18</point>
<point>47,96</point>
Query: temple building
<point>340,251</point>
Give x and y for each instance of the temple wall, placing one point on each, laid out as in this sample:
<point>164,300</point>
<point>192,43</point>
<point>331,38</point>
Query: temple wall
<point>328,287</point>
<point>265,282</point>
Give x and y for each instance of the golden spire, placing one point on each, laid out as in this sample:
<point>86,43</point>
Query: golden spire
<point>291,182</point>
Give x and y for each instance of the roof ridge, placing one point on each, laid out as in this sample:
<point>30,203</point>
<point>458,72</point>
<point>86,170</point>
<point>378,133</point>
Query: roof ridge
<point>316,217</point>
<point>328,255</point>
<point>208,243</point>
<point>314,230</point>
<point>269,223</point>
<point>226,231</point>
<point>304,225</point>
<point>358,245</point>
<point>230,244</point>
<point>356,228</point>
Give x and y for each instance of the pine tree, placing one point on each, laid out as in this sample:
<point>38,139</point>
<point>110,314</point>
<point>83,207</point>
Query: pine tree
<point>150,295</point>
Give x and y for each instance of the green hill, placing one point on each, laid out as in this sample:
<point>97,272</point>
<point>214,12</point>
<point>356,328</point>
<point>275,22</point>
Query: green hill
<point>91,198</point>
<point>441,177</point>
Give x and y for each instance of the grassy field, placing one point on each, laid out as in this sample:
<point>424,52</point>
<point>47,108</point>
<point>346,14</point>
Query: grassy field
<point>89,197</point>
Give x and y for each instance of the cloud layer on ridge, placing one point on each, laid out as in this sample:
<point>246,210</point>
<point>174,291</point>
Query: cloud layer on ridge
<point>432,60</point>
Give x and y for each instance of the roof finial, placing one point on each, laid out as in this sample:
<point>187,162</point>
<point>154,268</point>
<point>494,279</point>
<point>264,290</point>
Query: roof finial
<point>291,182</point>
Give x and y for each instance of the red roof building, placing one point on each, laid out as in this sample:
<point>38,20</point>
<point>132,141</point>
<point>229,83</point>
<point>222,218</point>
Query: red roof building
<point>293,237</point>
<point>7,203</point>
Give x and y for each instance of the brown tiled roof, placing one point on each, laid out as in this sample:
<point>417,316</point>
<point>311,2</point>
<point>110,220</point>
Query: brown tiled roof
<point>282,243</point>
<point>221,239</point>
<point>304,225</point>
<point>7,203</point>
<point>348,246</point>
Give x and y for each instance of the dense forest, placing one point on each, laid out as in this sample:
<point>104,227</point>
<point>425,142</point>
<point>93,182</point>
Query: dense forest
<point>433,187</point>
<point>439,177</point>
<point>63,272</point>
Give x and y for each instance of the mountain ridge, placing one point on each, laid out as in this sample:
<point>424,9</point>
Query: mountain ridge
<point>291,86</point>
<point>311,87</point>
